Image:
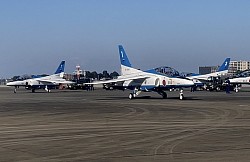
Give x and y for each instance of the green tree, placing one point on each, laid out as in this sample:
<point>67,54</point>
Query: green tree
<point>105,74</point>
<point>88,74</point>
<point>94,75</point>
<point>114,74</point>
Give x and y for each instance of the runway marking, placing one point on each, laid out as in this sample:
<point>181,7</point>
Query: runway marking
<point>243,105</point>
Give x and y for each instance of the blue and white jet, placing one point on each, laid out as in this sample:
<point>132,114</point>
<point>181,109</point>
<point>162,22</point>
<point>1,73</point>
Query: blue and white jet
<point>243,78</point>
<point>47,82</point>
<point>240,80</point>
<point>153,80</point>
<point>223,70</point>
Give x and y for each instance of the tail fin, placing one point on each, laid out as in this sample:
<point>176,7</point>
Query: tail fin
<point>126,68</point>
<point>123,57</point>
<point>60,68</point>
<point>225,65</point>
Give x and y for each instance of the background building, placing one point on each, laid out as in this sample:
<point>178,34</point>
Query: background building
<point>208,69</point>
<point>237,66</point>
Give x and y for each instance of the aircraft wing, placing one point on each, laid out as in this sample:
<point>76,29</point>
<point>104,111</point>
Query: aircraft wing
<point>119,80</point>
<point>56,82</point>
<point>64,82</point>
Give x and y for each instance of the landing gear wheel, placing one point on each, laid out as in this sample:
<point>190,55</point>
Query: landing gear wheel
<point>33,90</point>
<point>236,89</point>
<point>181,95</point>
<point>164,95</point>
<point>217,88</point>
<point>131,96</point>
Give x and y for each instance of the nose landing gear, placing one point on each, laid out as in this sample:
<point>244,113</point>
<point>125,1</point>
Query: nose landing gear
<point>135,93</point>
<point>181,94</point>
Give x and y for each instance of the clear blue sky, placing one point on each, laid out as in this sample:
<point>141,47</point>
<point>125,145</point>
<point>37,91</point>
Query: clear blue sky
<point>35,35</point>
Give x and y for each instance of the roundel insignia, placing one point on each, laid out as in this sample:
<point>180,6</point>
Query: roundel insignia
<point>164,82</point>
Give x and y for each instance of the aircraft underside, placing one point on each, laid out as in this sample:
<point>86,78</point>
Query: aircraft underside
<point>136,90</point>
<point>33,88</point>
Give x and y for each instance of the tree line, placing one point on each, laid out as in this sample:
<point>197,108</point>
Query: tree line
<point>89,74</point>
<point>104,74</point>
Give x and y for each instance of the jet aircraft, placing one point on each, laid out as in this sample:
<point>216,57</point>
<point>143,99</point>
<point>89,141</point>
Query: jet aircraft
<point>200,79</point>
<point>243,78</point>
<point>153,80</point>
<point>47,82</point>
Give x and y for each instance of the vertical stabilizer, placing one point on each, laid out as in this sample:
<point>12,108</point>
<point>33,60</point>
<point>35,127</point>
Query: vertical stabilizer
<point>60,68</point>
<point>126,68</point>
<point>225,65</point>
<point>123,57</point>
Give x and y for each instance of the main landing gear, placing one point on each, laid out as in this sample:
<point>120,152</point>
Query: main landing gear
<point>135,93</point>
<point>47,89</point>
<point>163,94</point>
<point>181,94</point>
<point>236,89</point>
<point>15,89</point>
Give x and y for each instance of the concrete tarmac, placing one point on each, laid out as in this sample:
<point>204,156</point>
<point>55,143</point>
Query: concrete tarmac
<point>106,126</point>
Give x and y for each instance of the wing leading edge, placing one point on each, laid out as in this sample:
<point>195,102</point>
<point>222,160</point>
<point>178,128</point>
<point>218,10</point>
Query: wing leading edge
<point>119,80</point>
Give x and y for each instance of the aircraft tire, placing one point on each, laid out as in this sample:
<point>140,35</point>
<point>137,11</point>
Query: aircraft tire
<point>164,95</point>
<point>131,96</point>
<point>217,88</point>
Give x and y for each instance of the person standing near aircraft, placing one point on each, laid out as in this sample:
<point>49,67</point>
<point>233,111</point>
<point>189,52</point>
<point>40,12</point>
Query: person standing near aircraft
<point>227,85</point>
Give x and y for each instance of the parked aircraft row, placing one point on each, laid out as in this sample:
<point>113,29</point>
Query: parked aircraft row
<point>152,80</point>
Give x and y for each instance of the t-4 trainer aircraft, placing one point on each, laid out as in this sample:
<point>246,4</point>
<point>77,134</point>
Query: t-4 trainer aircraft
<point>47,82</point>
<point>153,80</point>
<point>223,70</point>
<point>239,81</point>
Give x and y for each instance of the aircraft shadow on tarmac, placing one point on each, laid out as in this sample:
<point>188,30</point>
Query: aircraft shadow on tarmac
<point>149,97</point>
<point>58,91</point>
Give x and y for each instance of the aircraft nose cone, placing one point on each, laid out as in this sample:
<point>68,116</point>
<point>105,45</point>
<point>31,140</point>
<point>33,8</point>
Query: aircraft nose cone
<point>9,84</point>
<point>15,83</point>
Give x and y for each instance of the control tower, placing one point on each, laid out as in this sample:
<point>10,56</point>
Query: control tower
<point>78,72</point>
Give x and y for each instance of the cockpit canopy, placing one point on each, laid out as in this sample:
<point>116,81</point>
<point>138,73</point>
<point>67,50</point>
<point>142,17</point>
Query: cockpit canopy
<point>168,71</point>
